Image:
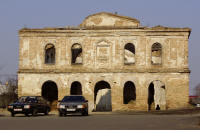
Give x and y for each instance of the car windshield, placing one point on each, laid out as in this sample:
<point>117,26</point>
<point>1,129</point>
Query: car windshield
<point>21,99</point>
<point>27,99</point>
<point>73,99</point>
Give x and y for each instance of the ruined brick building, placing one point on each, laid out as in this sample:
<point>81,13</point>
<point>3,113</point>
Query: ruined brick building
<point>112,60</point>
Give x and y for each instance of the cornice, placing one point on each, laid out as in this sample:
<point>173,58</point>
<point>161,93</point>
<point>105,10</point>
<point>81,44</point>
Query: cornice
<point>104,71</point>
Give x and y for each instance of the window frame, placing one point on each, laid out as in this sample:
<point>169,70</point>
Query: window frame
<point>46,63</point>
<point>161,49</point>
<point>76,57</point>
<point>134,54</point>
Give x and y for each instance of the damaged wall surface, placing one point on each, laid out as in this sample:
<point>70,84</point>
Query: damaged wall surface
<point>113,50</point>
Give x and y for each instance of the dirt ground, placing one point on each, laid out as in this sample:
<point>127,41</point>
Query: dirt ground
<point>188,119</point>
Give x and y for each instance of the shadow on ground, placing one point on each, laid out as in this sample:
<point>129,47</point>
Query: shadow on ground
<point>162,112</point>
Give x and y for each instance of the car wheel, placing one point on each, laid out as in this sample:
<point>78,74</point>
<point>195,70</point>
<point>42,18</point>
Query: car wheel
<point>34,113</point>
<point>46,112</point>
<point>65,114</point>
<point>12,114</point>
<point>60,114</point>
<point>26,114</point>
<point>85,113</point>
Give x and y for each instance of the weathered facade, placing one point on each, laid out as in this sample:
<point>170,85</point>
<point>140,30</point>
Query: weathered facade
<point>111,60</point>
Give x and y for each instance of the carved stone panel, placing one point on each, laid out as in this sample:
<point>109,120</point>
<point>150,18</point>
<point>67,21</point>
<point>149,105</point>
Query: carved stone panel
<point>102,55</point>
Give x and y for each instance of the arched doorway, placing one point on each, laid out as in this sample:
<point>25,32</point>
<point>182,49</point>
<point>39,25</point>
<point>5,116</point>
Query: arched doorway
<point>76,88</point>
<point>150,96</point>
<point>50,93</point>
<point>129,92</point>
<point>102,96</point>
<point>156,96</point>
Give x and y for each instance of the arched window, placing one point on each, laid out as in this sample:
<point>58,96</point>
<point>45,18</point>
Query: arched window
<point>129,53</point>
<point>76,54</point>
<point>156,53</point>
<point>49,54</point>
<point>129,92</point>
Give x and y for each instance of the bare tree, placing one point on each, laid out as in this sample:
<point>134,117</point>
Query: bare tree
<point>197,90</point>
<point>12,85</point>
<point>196,99</point>
<point>1,67</point>
<point>11,94</point>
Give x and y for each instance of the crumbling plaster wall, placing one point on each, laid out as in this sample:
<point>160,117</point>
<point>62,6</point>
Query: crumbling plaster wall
<point>108,51</point>
<point>176,86</point>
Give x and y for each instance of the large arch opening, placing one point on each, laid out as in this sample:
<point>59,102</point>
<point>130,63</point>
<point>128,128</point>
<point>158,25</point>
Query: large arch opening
<point>156,96</point>
<point>129,92</point>
<point>102,96</point>
<point>50,93</point>
<point>76,88</point>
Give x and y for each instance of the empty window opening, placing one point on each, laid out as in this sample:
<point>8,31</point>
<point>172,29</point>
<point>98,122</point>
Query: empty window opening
<point>102,96</point>
<point>156,53</point>
<point>76,88</point>
<point>49,54</point>
<point>129,92</point>
<point>76,54</point>
<point>129,53</point>
<point>50,93</point>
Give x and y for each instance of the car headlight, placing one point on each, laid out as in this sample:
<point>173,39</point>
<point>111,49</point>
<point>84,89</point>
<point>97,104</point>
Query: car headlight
<point>10,107</point>
<point>80,106</point>
<point>62,106</point>
<point>26,106</point>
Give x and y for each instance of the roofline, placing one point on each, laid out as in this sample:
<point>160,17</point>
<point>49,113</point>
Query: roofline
<point>156,29</point>
<point>116,15</point>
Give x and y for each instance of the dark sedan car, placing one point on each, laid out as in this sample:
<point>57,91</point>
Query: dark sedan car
<point>73,104</point>
<point>29,105</point>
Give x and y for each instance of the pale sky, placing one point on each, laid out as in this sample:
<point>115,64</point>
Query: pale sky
<point>16,14</point>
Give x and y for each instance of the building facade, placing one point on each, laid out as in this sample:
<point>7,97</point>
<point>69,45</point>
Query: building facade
<point>111,60</point>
